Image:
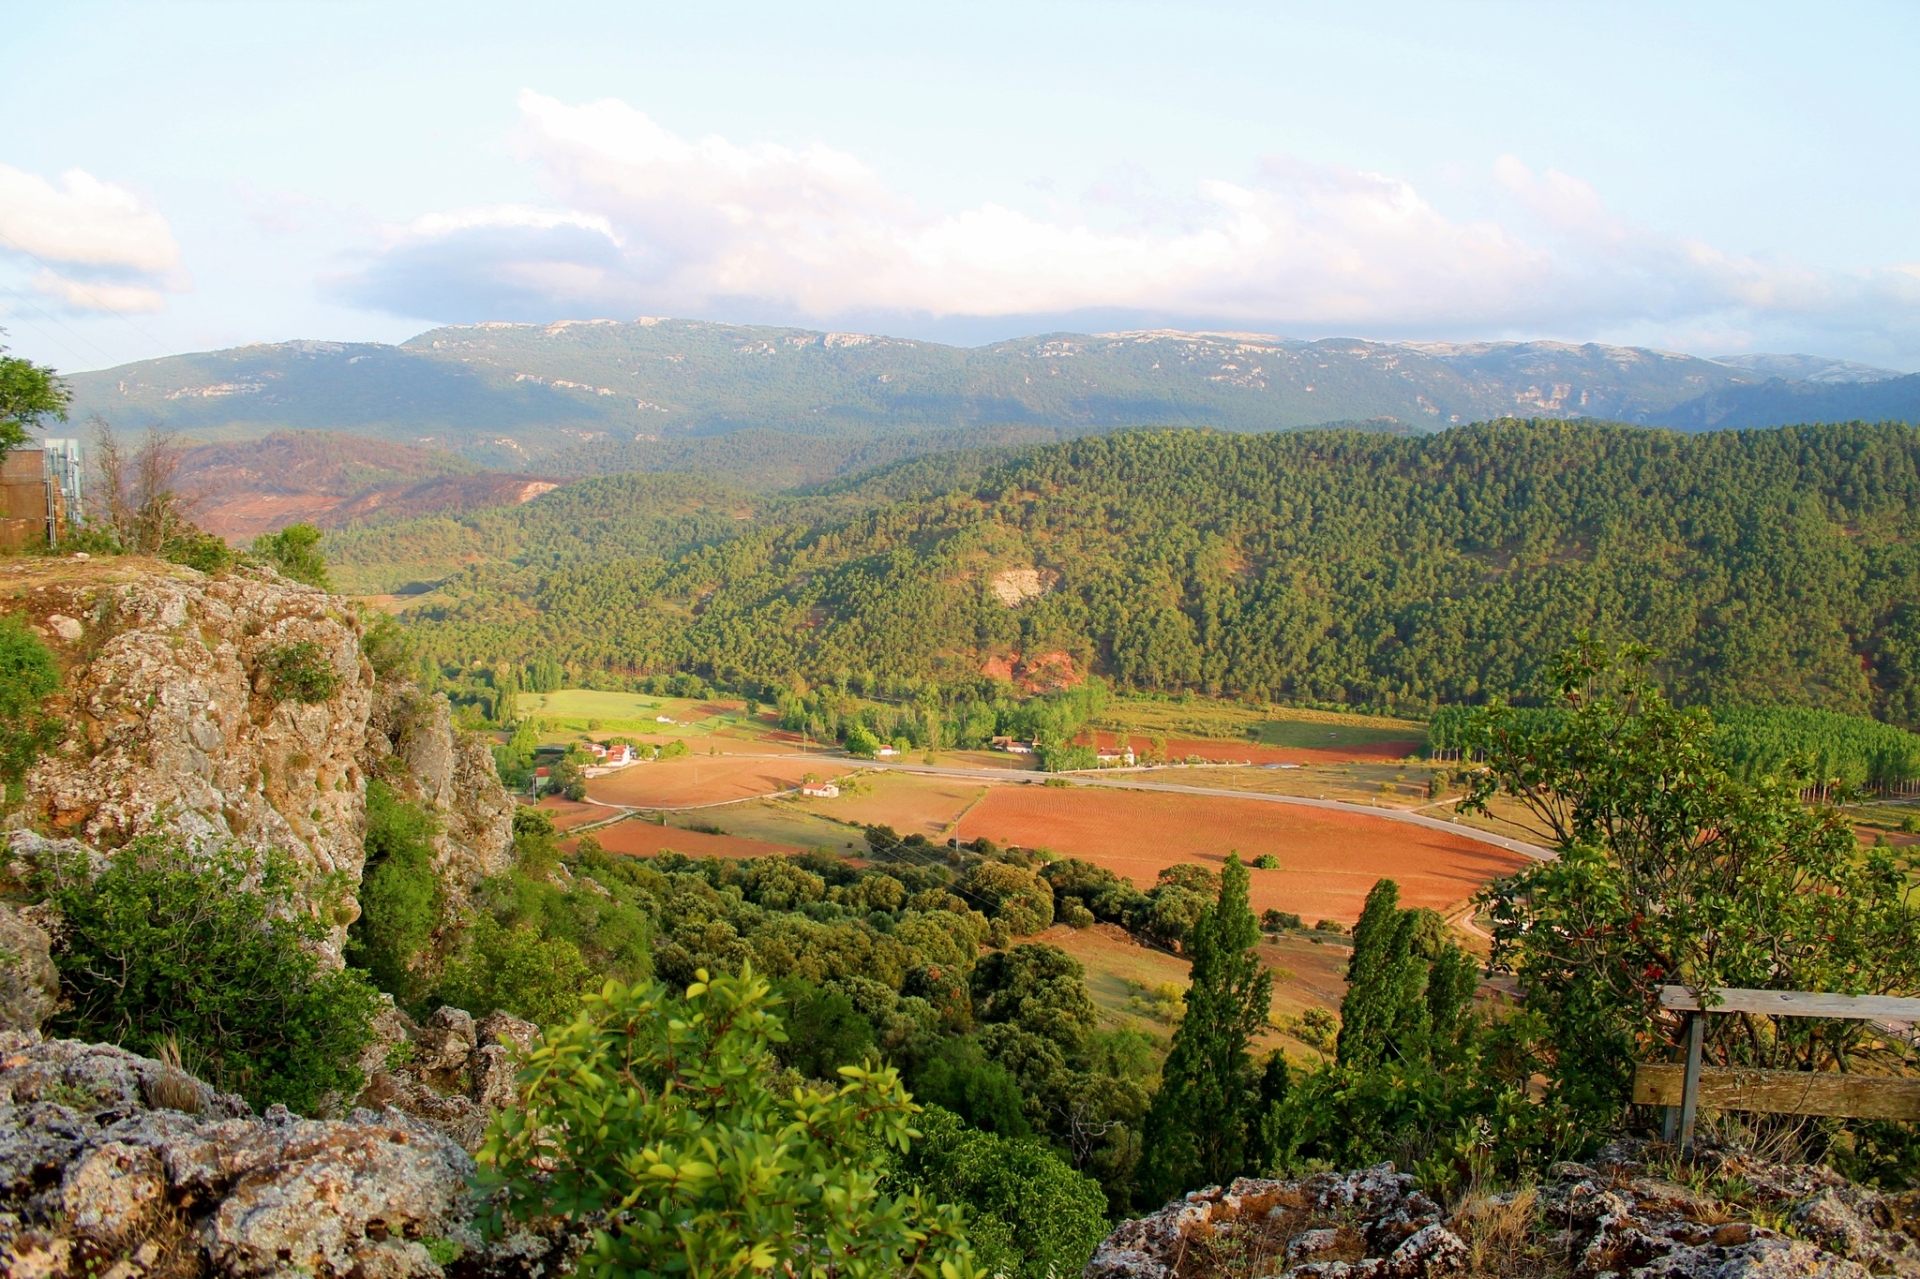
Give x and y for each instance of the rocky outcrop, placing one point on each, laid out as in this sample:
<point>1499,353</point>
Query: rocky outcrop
<point>29,983</point>
<point>1613,1217</point>
<point>175,722</point>
<point>113,1164</point>
<point>411,741</point>
<point>453,1072</point>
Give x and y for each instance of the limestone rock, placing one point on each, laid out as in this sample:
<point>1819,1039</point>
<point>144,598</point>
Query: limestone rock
<point>29,983</point>
<point>1614,1216</point>
<point>173,724</point>
<point>90,1170</point>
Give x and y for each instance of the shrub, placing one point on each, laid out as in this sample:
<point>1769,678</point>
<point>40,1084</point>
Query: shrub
<point>650,1120</point>
<point>198,550</point>
<point>862,743</point>
<point>301,672</point>
<point>27,677</point>
<point>518,970</point>
<point>1274,921</point>
<point>1266,861</point>
<point>387,648</point>
<point>295,551</point>
<point>400,896</point>
<point>203,948</point>
<point>1029,1214</point>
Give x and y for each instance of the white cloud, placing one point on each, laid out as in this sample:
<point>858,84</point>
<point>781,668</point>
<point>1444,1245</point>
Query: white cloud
<point>100,247</point>
<point>96,295</point>
<point>84,221</point>
<point>646,221</point>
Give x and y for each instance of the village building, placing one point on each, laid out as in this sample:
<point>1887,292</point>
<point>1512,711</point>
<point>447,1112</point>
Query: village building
<point>1012,745</point>
<point>819,790</point>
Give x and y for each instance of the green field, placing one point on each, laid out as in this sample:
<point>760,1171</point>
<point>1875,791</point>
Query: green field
<point>571,711</point>
<point>1269,725</point>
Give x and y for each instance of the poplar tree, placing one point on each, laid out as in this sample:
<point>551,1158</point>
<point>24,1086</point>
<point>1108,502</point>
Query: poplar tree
<point>1202,1127</point>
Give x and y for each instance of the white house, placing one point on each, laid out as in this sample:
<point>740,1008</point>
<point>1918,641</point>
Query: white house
<point>819,790</point>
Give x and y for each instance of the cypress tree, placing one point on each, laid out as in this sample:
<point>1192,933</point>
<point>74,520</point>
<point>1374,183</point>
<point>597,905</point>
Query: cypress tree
<point>1199,1127</point>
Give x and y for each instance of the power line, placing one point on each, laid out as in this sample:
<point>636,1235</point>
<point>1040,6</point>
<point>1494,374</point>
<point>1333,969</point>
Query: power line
<point>75,284</point>
<point>56,320</point>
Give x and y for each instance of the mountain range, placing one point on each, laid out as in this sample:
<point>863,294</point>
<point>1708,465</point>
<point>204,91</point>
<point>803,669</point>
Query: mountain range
<point>582,397</point>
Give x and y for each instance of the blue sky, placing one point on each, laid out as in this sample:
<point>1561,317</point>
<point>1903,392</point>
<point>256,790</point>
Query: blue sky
<point>1714,179</point>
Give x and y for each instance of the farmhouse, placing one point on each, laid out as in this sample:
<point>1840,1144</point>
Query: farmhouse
<point>819,790</point>
<point>1122,758</point>
<point>1012,745</point>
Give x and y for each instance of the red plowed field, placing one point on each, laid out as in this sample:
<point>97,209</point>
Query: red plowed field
<point>1328,860</point>
<point>705,779</point>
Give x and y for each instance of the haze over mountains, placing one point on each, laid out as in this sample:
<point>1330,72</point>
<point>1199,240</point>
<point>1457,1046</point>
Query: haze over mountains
<point>577,395</point>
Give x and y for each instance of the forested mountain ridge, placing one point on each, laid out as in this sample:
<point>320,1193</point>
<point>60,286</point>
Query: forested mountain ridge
<point>1776,566</point>
<point>599,396</point>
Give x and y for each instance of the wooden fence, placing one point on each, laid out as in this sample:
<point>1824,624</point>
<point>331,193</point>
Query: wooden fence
<point>1683,1087</point>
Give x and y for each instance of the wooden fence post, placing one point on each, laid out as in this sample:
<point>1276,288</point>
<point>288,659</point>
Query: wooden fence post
<point>1690,1088</point>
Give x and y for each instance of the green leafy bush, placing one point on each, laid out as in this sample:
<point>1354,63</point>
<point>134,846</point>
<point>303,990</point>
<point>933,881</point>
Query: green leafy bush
<point>824,1031</point>
<point>1266,861</point>
<point>202,947</point>
<point>301,671</point>
<point>651,1120</point>
<point>1671,869</point>
<point>28,676</point>
<point>387,648</point>
<point>400,896</point>
<point>1029,1214</point>
<point>295,551</point>
<point>516,969</point>
<point>198,549</point>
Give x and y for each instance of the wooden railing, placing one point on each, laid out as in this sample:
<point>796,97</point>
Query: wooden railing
<point>1683,1087</point>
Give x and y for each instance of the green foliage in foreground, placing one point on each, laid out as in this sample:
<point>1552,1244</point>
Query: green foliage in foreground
<point>29,395</point>
<point>1029,1214</point>
<point>653,1118</point>
<point>201,947</point>
<point>1672,869</point>
<point>28,677</point>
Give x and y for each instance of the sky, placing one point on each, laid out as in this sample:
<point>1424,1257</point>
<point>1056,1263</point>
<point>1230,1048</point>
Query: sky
<point>1715,179</point>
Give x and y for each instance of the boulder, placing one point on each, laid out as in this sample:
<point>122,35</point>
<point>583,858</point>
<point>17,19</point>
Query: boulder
<point>92,1171</point>
<point>29,983</point>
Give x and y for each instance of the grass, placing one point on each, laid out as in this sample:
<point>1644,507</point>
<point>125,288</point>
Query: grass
<point>572,710</point>
<point>1271,725</point>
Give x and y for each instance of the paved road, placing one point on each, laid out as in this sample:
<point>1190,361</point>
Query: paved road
<point>1127,781</point>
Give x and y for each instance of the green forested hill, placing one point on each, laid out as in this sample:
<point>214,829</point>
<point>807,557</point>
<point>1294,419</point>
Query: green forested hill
<point>1772,566</point>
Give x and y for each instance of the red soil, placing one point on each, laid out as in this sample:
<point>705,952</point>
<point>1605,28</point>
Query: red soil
<point>644,839</point>
<point>1329,860</point>
<point>706,779</point>
<point>566,814</point>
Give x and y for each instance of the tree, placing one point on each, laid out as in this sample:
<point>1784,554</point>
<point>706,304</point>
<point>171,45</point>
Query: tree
<point>1197,1128</point>
<point>650,1121</point>
<point>29,394</point>
<point>208,950</point>
<point>28,676</point>
<point>1672,870</point>
<point>295,551</point>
